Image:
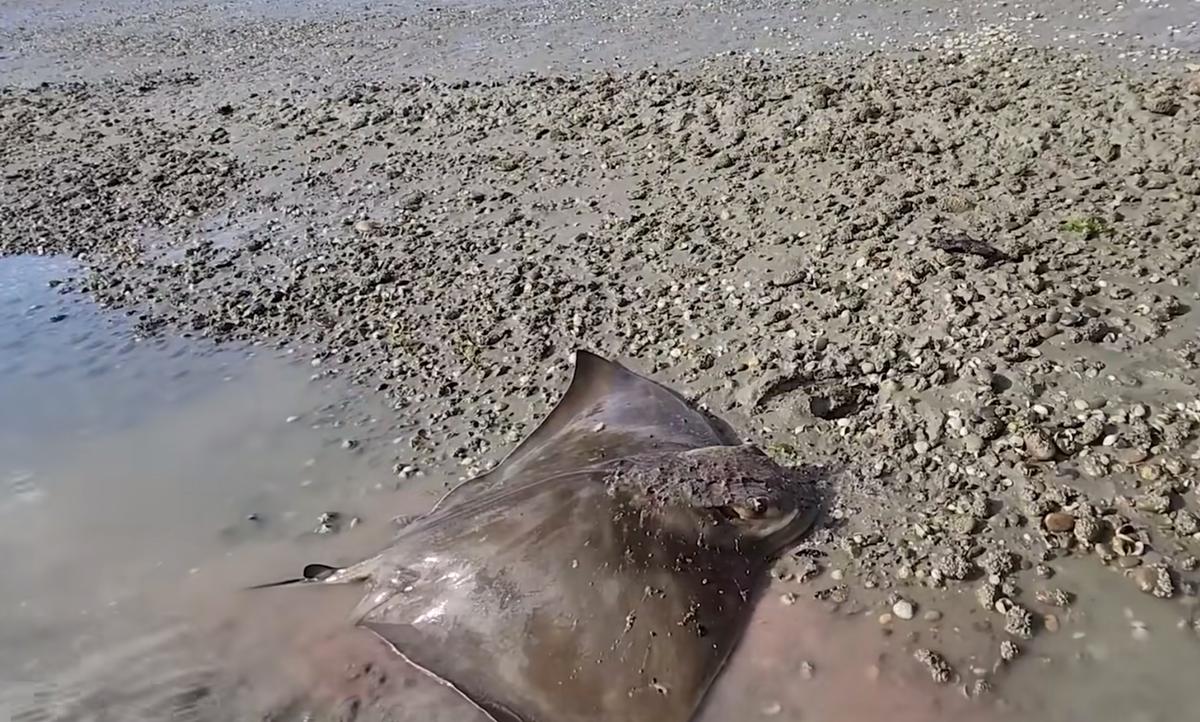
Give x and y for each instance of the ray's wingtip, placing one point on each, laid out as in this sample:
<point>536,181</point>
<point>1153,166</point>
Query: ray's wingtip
<point>581,355</point>
<point>582,358</point>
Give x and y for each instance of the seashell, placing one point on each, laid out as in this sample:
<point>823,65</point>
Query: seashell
<point>1126,543</point>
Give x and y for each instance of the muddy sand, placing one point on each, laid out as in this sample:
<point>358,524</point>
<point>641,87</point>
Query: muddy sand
<point>949,254</point>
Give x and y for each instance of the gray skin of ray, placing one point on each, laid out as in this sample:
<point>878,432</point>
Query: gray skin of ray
<point>605,570</point>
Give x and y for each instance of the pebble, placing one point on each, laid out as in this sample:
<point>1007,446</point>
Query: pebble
<point>903,609</point>
<point>1059,522</point>
<point>1039,446</point>
<point>1009,650</point>
<point>1154,580</point>
<point>1129,455</point>
<point>939,669</point>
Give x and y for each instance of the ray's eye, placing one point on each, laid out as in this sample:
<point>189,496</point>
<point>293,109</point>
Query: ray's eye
<point>753,508</point>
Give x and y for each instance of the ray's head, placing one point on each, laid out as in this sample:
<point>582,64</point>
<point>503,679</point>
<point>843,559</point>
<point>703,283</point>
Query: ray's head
<point>750,493</point>
<point>732,496</point>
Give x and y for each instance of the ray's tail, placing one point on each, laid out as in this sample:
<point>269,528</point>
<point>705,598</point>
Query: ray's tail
<point>310,573</point>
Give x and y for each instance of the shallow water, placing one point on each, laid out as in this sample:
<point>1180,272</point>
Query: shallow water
<point>130,467</point>
<point>137,476</point>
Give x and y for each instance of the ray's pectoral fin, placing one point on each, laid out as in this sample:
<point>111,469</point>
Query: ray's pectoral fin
<point>310,573</point>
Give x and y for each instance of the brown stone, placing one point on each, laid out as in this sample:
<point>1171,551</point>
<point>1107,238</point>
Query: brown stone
<point>1059,522</point>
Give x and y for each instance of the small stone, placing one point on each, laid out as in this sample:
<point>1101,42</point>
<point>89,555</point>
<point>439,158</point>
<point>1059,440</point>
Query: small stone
<point>1152,502</point>
<point>349,443</point>
<point>954,566</point>
<point>987,594</point>
<point>1058,522</point>
<point>999,563</point>
<point>973,443</point>
<point>1150,472</point>
<point>1185,523</point>
<point>1160,105</point>
<point>1131,455</point>
<point>964,524</point>
<point>788,599</point>
<point>807,670</point>
<point>1009,650</point>
<point>939,669</point>
<point>1154,580</point>
<point>1050,622</point>
<point>1087,529</point>
<point>366,226</point>
<point>1054,597</point>
<point>1039,446</point>
<point>1018,621</point>
<point>903,609</point>
<point>885,619</point>
<point>932,615</point>
<point>1091,431</point>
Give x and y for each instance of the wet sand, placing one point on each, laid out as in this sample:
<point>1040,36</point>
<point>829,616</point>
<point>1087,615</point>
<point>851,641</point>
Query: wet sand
<point>342,255</point>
